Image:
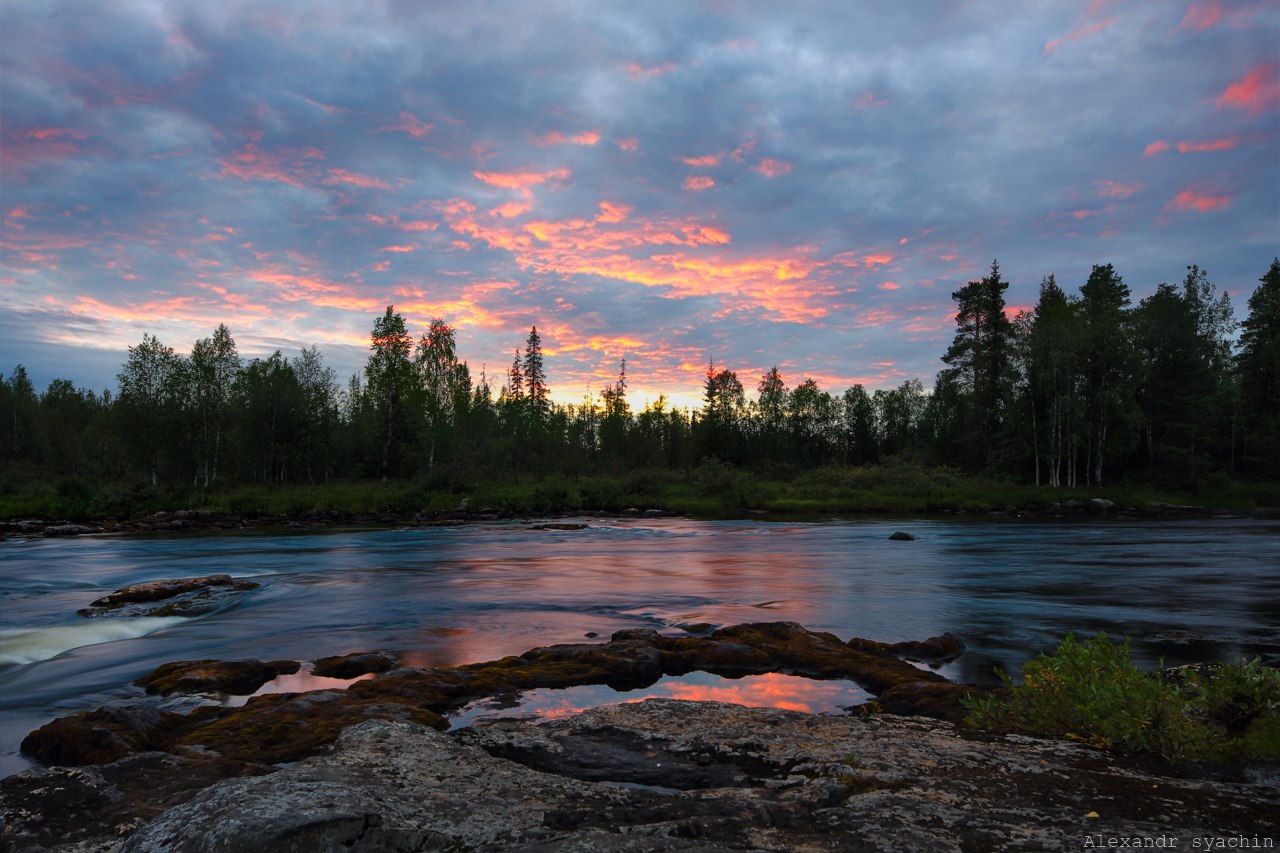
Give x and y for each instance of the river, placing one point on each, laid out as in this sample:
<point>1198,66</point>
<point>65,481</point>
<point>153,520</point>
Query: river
<point>1182,590</point>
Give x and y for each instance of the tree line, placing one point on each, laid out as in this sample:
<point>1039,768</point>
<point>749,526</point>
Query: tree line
<point>1086,388</point>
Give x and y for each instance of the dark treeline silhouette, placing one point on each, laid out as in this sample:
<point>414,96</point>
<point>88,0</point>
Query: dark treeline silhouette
<point>1084,389</point>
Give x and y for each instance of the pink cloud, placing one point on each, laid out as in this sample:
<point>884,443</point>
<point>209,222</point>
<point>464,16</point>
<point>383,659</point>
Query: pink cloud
<point>342,176</point>
<point>772,168</point>
<point>888,285</point>
<point>1208,145</point>
<point>868,101</point>
<point>629,143</point>
<point>636,70</point>
<point>704,162</point>
<point>1154,148</point>
<point>698,183</point>
<point>412,125</point>
<point>1201,201</point>
<point>555,137</point>
<point>1115,189</point>
<point>1201,16</point>
<point>1086,30</point>
<point>1256,92</point>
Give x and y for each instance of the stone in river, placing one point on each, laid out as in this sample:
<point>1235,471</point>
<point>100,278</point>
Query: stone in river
<point>171,597</point>
<point>901,536</point>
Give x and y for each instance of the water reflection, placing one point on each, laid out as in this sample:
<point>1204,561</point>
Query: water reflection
<point>298,682</point>
<point>772,690</point>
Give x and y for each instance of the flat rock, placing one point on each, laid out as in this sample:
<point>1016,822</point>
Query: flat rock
<point>674,775</point>
<point>171,597</point>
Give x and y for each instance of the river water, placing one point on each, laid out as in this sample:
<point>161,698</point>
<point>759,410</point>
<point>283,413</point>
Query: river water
<point>1182,590</point>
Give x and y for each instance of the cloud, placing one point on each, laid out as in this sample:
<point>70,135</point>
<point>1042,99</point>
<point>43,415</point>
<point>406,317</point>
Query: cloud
<point>1201,16</point>
<point>1257,92</point>
<point>698,182</point>
<point>1198,199</point>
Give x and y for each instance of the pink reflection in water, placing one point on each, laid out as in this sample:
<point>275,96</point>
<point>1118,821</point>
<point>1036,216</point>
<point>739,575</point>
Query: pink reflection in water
<point>772,690</point>
<point>298,682</point>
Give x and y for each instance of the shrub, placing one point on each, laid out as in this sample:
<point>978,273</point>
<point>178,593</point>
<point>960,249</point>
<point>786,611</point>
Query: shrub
<point>1092,692</point>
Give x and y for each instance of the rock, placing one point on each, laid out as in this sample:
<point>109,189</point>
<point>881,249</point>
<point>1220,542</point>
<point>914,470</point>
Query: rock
<point>1101,505</point>
<point>933,650</point>
<point>901,536</point>
<point>68,530</point>
<point>181,597</point>
<point>354,664</point>
<point>102,735</point>
<point>559,525</point>
<point>240,677</point>
<point>672,775</point>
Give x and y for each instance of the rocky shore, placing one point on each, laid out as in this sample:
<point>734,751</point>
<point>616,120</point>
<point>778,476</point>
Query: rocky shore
<point>191,520</point>
<point>374,767</point>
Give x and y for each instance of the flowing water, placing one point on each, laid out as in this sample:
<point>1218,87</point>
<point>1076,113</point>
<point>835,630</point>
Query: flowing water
<point>1183,590</point>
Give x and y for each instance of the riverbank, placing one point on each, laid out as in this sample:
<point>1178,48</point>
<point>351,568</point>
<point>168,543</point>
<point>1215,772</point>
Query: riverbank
<point>375,766</point>
<point>710,491</point>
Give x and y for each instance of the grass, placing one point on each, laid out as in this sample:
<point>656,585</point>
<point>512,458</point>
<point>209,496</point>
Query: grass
<point>712,489</point>
<point>1092,692</point>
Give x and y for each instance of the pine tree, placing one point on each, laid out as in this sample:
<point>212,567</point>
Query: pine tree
<point>535,379</point>
<point>1259,366</point>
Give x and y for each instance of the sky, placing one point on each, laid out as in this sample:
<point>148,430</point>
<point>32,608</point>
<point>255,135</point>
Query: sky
<point>756,184</point>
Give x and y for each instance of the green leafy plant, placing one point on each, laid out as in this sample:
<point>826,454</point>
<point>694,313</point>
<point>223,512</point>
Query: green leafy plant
<point>1092,692</point>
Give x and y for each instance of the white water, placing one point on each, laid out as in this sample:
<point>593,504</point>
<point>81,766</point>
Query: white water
<point>32,645</point>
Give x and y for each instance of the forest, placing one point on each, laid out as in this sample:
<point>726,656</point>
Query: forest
<point>1087,389</point>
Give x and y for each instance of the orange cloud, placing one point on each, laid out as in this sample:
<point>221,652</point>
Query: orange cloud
<point>1154,148</point>
<point>555,137</point>
<point>1086,30</point>
<point>630,143</point>
<point>510,210</point>
<point>1201,16</point>
<point>706,161</point>
<point>520,180</point>
<point>1257,91</point>
<point>397,249</point>
<point>698,183</point>
<point>888,285</point>
<point>1209,145</point>
<point>771,167</point>
<point>1198,200</point>
<point>611,213</point>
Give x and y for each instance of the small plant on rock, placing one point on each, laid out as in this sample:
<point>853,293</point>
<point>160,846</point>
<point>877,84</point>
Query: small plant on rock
<point>1092,692</point>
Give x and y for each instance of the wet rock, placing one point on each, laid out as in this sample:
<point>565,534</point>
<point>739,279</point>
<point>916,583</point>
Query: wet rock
<point>901,536</point>
<point>559,525</point>
<point>177,597</point>
<point>354,664</point>
<point>939,649</point>
<point>239,677</point>
<point>102,735</point>
<point>1101,505</point>
<point>673,775</point>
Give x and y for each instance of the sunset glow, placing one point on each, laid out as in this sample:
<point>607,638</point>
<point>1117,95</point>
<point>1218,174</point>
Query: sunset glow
<point>701,182</point>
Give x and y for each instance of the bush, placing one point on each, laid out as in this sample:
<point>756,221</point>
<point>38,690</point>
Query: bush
<point>1092,692</point>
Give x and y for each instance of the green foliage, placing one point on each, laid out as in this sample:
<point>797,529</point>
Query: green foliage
<point>1092,692</point>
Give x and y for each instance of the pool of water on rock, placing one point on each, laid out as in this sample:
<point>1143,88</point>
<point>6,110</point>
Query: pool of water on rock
<point>772,690</point>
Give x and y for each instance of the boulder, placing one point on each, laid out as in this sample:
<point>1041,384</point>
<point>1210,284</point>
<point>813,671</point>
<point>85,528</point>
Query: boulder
<point>901,536</point>
<point>68,530</point>
<point>354,664</point>
<point>240,677</point>
<point>1101,505</point>
<point>171,597</point>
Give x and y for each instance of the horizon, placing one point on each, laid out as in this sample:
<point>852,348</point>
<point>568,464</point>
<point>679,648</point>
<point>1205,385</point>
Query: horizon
<point>796,187</point>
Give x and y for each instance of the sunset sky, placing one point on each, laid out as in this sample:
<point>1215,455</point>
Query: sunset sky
<point>801,184</point>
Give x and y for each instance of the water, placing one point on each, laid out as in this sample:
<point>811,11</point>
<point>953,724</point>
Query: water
<point>1185,590</point>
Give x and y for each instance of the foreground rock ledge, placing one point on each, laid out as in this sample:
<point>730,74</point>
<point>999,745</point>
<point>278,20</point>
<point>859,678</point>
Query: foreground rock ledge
<point>689,776</point>
<point>374,772</point>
